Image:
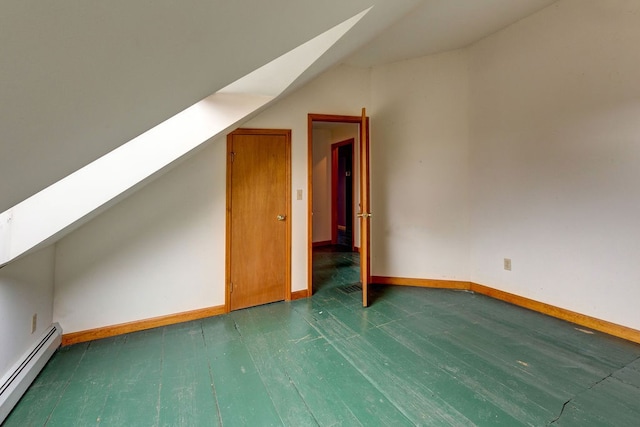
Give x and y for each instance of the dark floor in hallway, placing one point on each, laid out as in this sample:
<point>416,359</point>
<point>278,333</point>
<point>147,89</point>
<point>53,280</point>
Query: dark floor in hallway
<point>415,357</point>
<point>335,267</point>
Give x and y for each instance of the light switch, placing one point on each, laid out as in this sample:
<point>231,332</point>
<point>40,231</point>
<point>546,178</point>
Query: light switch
<point>299,194</point>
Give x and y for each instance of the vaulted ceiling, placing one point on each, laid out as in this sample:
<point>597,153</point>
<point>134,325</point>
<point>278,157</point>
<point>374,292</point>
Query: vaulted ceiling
<point>80,78</point>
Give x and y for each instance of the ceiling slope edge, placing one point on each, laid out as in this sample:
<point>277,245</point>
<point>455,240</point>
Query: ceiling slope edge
<point>54,212</point>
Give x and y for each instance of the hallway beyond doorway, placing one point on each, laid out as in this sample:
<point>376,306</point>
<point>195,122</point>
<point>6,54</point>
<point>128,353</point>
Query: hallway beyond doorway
<point>334,266</point>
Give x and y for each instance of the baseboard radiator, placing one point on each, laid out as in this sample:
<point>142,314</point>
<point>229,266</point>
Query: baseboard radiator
<point>21,375</point>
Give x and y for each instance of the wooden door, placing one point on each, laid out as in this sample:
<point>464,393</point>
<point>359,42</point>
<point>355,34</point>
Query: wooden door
<point>258,217</point>
<point>365,212</point>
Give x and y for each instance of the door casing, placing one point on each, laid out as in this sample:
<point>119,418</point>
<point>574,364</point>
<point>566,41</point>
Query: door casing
<point>336,119</point>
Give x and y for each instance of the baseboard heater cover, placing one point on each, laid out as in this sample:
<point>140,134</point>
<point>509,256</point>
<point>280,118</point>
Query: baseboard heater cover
<point>16,381</point>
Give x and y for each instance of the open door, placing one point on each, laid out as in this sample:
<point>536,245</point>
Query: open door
<point>365,209</point>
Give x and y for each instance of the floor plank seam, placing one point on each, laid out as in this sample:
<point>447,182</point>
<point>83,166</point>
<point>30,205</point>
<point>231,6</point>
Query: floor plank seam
<point>293,384</point>
<point>212,382</point>
<point>628,365</point>
<point>237,328</point>
<point>477,385</point>
<point>564,405</point>
<point>109,387</point>
<point>158,405</point>
<point>261,375</point>
<point>370,380</point>
<point>415,357</point>
<point>67,385</point>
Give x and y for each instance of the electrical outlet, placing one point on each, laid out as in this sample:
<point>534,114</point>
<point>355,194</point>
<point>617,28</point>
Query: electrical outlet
<point>507,264</point>
<point>34,323</point>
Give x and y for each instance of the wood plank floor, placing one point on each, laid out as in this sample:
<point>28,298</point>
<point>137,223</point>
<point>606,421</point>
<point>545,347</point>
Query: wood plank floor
<point>415,357</point>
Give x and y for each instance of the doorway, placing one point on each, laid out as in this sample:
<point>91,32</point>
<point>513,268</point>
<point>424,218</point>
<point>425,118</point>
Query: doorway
<point>342,194</point>
<point>258,269</point>
<point>334,142</point>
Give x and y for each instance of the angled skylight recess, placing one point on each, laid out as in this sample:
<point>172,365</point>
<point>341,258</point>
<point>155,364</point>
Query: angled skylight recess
<point>51,213</point>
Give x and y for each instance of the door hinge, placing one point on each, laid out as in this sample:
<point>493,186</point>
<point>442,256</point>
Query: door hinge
<point>230,287</point>
<point>233,156</point>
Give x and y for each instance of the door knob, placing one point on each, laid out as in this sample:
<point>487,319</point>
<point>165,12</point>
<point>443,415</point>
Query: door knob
<point>281,217</point>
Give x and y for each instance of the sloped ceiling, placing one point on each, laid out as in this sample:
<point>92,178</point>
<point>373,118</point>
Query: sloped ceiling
<point>80,78</point>
<point>441,25</point>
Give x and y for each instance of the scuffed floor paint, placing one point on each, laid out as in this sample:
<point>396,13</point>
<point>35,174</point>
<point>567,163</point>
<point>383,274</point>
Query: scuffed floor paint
<point>415,357</point>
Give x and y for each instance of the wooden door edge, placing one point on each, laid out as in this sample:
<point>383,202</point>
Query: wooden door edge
<point>365,208</point>
<point>288,234</point>
<point>227,269</point>
<point>309,205</point>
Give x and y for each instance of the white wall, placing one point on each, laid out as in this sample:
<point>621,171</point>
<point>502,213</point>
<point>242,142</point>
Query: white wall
<point>555,159</point>
<point>419,168</point>
<point>522,146</point>
<point>162,250</point>
<point>323,138</point>
<point>26,288</point>
<point>159,252</point>
<point>321,185</point>
<point>342,132</point>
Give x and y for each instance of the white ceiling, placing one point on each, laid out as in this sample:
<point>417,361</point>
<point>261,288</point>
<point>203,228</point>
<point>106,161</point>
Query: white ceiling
<point>78,79</point>
<point>440,25</point>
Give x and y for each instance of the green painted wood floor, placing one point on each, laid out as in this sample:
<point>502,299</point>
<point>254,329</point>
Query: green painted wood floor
<point>416,357</point>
